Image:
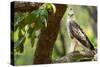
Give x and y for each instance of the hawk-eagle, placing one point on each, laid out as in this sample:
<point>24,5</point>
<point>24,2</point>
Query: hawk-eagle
<point>76,32</point>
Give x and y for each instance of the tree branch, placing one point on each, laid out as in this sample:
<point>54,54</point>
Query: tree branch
<point>76,56</point>
<point>21,6</point>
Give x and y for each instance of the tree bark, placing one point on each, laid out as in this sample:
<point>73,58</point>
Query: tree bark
<point>77,56</point>
<point>21,6</point>
<point>48,36</point>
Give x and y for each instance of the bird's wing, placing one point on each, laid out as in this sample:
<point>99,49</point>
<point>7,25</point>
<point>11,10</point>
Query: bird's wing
<point>77,32</point>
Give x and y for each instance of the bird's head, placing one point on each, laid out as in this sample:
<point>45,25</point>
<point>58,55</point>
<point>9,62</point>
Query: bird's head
<point>70,14</point>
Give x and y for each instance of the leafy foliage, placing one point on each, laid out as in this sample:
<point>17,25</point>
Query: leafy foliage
<point>19,44</point>
<point>28,23</point>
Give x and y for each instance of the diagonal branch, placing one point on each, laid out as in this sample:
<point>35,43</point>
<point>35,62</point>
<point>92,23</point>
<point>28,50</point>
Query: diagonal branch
<point>77,56</point>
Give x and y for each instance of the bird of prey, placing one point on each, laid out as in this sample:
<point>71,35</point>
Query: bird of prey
<point>76,32</point>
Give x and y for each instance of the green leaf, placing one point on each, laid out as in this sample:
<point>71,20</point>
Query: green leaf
<point>20,34</point>
<point>33,40</point>
<point>28,18</point>
<point>51,7</point>
<point>19,45</point>
<point>18,18</point>
<point>30,31</point>
<point>20,48</point>
<point>22,22</point>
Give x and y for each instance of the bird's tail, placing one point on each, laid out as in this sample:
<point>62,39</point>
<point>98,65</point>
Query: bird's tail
<point>91,45</point>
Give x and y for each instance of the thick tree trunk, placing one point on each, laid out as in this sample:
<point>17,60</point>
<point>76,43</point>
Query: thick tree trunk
<point>48,36</point>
